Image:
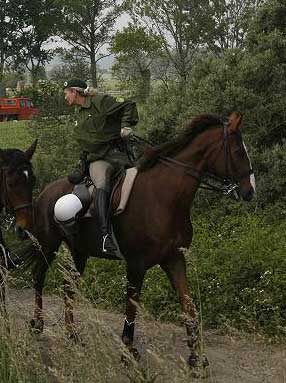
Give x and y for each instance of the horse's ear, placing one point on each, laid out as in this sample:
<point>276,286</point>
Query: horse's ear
<point>3,157</point>
<point>29,152</point>
<point>234,122</point>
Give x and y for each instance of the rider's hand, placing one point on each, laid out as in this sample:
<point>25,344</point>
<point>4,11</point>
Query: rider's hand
<point>126,132</point>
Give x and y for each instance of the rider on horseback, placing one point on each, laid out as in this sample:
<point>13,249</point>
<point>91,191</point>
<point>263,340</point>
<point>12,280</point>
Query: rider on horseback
<point>103,123</point>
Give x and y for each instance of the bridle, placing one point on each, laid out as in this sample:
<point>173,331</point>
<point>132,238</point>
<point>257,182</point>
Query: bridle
<point>5,201</point>
<point>226,185</point>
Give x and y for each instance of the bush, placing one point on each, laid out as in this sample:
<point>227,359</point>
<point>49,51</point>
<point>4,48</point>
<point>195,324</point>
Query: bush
<point>57,152</point>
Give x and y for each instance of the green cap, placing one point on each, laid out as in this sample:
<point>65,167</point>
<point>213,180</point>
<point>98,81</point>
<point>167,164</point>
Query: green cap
<point>75,83</point>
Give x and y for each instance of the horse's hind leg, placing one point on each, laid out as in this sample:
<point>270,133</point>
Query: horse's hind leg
<point>175,269</point>
<point>135,276</point>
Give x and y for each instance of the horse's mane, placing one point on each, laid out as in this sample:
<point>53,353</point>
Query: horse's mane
<point>170,148</point>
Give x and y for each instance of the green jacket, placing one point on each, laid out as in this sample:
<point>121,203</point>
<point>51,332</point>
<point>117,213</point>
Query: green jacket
<point>99,122</point>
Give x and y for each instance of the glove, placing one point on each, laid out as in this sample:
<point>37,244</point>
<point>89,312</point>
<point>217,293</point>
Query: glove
<point>77,175</point>
<point>126,132</point>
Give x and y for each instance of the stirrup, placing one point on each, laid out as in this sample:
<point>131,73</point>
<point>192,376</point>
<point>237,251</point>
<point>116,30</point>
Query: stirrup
<point>103,243</point>
<point>113,245</point>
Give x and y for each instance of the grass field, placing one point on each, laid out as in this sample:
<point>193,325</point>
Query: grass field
<point>15,134</point>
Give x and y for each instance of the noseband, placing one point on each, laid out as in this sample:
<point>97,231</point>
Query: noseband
<point>6,202</point>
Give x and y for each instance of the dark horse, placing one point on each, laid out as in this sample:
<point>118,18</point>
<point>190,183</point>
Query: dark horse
<point>16,184</point>
<point>156,223</point>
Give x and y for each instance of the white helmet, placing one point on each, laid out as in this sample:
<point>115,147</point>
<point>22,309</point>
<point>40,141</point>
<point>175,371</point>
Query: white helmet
<point>67,207</point>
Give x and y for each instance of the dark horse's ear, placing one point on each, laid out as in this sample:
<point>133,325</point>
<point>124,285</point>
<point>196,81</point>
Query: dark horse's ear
<point>234,122</point>
<point>29,152</point>
<point>3,157</point>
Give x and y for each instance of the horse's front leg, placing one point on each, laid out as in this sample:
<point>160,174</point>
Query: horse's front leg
<point>175,269</point>
<point>39,274</point>
<point>70,285</point>
<point>135,277</point>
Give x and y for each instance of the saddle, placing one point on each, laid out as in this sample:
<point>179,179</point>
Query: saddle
<point>122,185</point>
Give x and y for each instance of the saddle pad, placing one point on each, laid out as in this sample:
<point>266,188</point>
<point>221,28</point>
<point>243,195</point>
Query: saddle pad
<point>125,192</point>
<point>128,182</point>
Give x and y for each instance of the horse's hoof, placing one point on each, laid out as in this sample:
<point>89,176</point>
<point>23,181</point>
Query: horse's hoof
<point>132,353</point>
<point>36,326</point>
<point>205,361</point>
<point>135,353</point>
<point>76,339</point>
<point>198,365</point>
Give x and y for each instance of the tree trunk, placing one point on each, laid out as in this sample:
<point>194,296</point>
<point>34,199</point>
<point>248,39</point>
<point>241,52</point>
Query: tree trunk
<point>145,88</point>
<point>93,70</point>
<point>1,71</point>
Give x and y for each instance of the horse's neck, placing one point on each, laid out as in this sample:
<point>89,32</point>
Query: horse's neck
<point>184,180</point>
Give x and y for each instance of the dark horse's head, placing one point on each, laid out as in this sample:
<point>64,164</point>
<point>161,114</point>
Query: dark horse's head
<point>232,161</point>
<point>16,184</point>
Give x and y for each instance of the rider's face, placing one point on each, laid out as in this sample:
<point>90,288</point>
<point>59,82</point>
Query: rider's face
<point>70,96</point>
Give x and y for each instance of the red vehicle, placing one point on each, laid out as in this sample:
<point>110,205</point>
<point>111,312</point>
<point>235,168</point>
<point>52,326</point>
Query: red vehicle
<point>17,108</point>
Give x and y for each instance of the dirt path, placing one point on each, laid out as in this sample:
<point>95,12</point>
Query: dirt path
<point>233,359</point>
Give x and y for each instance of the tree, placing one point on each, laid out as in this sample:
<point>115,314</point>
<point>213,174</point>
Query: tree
<point>231,22</point>
<point>40,19</point>
<point>135,50</point>
<point>88,27</point>
<point>181,24</point>
<point>9,25</point>
<point>72,64</point>
<point>25,26</point>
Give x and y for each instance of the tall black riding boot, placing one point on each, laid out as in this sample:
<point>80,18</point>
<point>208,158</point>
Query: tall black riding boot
<point>101,206</point>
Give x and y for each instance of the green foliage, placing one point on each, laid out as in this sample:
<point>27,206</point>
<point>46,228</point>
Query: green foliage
<point>88,26</point>
<point>15,134</point>
<point>48,96</point>
<point>57,151</point>
<point>135,41</point>
<point>73,65</point>
<point>32,22</point>
<point>240,266</point>
<point>135,51</point>
<point>161,114</point>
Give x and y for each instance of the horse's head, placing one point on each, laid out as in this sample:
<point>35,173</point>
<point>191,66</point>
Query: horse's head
<point>16,184</point>
<point>232,162</point>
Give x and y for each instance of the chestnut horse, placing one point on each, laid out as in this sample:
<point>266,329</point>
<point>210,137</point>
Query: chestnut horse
<point>156,223</point>
<point>16,184</point>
